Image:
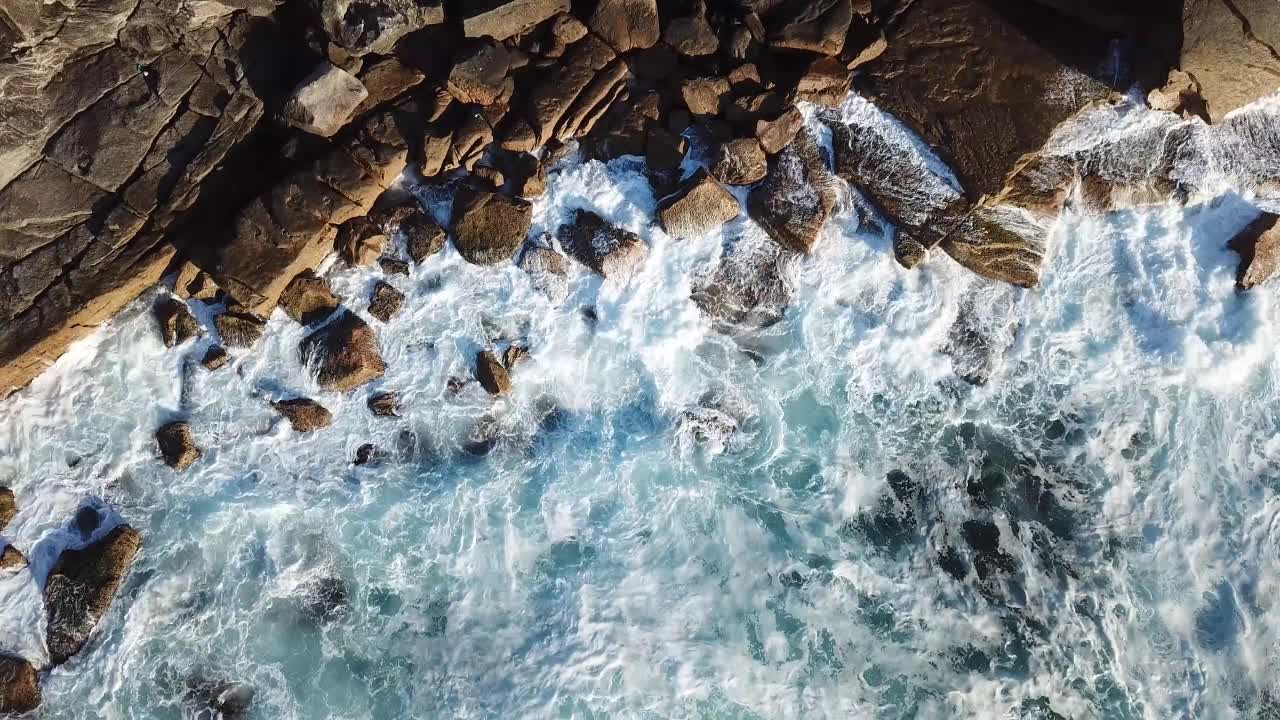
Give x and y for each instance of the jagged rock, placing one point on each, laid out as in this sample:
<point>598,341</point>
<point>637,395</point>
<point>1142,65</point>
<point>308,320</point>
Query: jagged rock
<point>776,134</point>
<point>697,207</point>
<point>177,446</point>
<point>977,349</point>
<point>304,414</point>
<point>361,242</point>
<point>487,177</point>
<point>385,404</point>
<point>240,329</point>
<point>740,162</point>
<point>177,324</point>
<point>664,150</point>
<point>514,355</point>
<point>19,686</point>
<point>1000,242</point>
<point>386,301</point>
<point>818,26</point>
<point>501,19</point>
<point>479,76</point>
<point>193,283</point>
<point>423,236</point>
<point>528,175</point>
<point>1259,249</point>
<point>373,26</point>
<point>308,298</point>
<point>797,196</point>
<point>751,287</point>
<point>343,355</point>
<point>385,81</point>
<point>215,358</point>
<point>492,375</point>
<point>80,588</point>
<point>865,42</point>
<point>702,95</point>
<point>393,266</point>
<point>563,31</point>
<point>572,96</point>
<point>365,454</point>
<point>691,34</point>
<point>609,251</point>
<point>489,228</point>
<point>11,558</point>
<point>547,273</point>
<point>1180,95</point>
<point>8,506</point>
<point>626,24</point>
<point>1232,49</point>
<point>826,82</point>
<point>325,100</point>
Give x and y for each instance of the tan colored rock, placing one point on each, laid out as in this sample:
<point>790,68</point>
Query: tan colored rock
<point>697,207</point>
<point>817,26</point>
<point>385,81</point>
<point>215,358</point>
<point>8,507</point>
<point>1232,49</point>
<point>609,251</point>
<point>794,201</point>
<point>501,19</point>
<point>308,298</point>
<point>626,24</point>
<point>19,686</point>
<point>776,134</point>
<point>80,589</point>
<point>177,324</point>
<point>240,329</point>
<point>1259,249</point>
<point>361,242</point>
<point>12,558</point>
<point>304,414</point>
<point>177,446</point>
<point>702,94</point>
<point>489,228</point>
<point>343,354</point>
<point>493,377</point>
<point>325,100</point>
<point>385,302</point>
<point>740,162</point>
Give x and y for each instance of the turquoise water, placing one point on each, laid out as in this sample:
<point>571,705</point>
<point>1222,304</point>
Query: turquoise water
<point>677,519</point>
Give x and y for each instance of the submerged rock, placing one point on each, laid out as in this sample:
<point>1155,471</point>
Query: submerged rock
<point>343,355</point>
<point>230,700</point>
<point>697,207</point>
<point>326,599</point>
<point>215,358</point>
<point>547,272</point>
<point>489,228</point>
<point>80,589</point>
<point>493,376</point>
<point>304,414</point>
<point>177,446</point>
<point>1259,249</point>
<point>609,251</point>
<point>308,299</point>
<point>240,329</point>
<point>8,506</point>
<point>385,302</point>
<point>19,686</point>
<point>385,404</point>
<point>976,346</point>
<point>796,198</point>
<point>177,324</point>
<point>751,287</point>
<point>423,236</point>
<point>514,355</point>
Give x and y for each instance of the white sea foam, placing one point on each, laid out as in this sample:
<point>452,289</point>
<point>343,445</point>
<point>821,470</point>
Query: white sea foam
<point>604,562</point>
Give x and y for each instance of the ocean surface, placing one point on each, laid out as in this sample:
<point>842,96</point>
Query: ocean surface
<point>679,518</point>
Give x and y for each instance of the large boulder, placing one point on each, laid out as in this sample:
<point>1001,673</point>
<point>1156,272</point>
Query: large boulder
<point>1232,50</point>
<point>240,329</point>
<point>697,207</point>
<point>308,299</point>
<point>740,162</point>
<point>492,374</point>
<point>626,24</point>
<point>691,34</point>
<point>797,196</point>
<point>325,100</point>
<point>373,26</point>
<point>177,324</point>
<point>1259,249</point>
<point>343,355</point>
<point>385,302</point>
<point>609,251</point>
<point>177,445</point>
<point>815,26</point>
<point>304,414</point>
<point>422,235</point>
<point>8,506</point>
<point>488,228</point>
<point>501,19</point>
<point>479,74</point>
<point>80,589</point>
<point>568,99</point>
<point>19,686</point>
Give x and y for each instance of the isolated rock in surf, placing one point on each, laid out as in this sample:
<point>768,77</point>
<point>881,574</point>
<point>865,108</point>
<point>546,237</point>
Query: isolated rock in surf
<point>343,355</point>
<point>80,589</point>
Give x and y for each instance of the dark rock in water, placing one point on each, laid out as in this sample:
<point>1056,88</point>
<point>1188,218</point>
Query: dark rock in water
<point>19,686</point>
<point>229,700</point>
<point>547,272</point>
<point>87,520</point>
<point>489,228</point>
<point>514,355</point>
<point>393,266</point>
<point>699,206</point>
<point>977,348</point>
<point>492,375</point>
<point>741,162</point>
<point>177,324</point>
<point>1000,242</point>
<point>817,26</point>
<point>1259,249</point>
<point>385,404</point>
<point>366,454</point>
<point>215,358</point>
<point>304,414</point>
<point>796,198</point>
<point>707,426</point>
<point>308,299</point>
<point>326,599</point>
<point>626,24</point>
<point>423,236</point>
<point>11,557</point>
<point>609,251</point>
<point>751,286</point>
<point>177,446</point>
<point>343,354</point>
<point>8,506</point>
<point>80,588</point>
<point>953,563</point>
<point>984,538</point>
<point>483,437</point>
<point>240,329</point>
<point>385,302</point>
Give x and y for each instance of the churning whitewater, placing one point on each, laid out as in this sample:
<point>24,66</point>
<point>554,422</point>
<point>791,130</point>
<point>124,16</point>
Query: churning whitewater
<point>677,517</point>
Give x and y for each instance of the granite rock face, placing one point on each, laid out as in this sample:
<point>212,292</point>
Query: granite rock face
<point>1232,51</point>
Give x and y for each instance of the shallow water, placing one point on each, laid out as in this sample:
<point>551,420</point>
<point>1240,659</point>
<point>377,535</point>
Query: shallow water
<point>1092,533</point>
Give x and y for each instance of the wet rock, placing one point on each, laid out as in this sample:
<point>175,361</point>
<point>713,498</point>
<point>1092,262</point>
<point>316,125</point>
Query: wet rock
<point>697,207</point>
<point>1002,243</point>
<point>8,506</point>
<point>664,150</point>
<point>489,228</point>
<point>1232,49</point>
<point>177,324</point>
<point>492,375</point>
<point>482,437</point>
<point>215,358</point>
<point>87,520</point>
<point>385,302</point>
<point>308,299</point>
<point>626,24</point>
<point>501,19</point>
<point>177,446</point>
<point>609,251</point>
<point>547,272</point>
<point>777,133</point>
<point>706,426</point>
<point>479,75</point>
<point>304,414</point>
<point>385,404</point>
<point>230,700</point>
<point>343,355</point>
<point>361,242</point>
<point>751,287</point>
<point>423,236</point>
<point>193,283</point>
<point>325,599</point>
<point>373,26</point>
<point>818,26</point>
<point>691,34</point>
<point>702,95</point>
<point>80,588</point>
<point>240,329</point>
<point>19,686</point>
<point>324,101</point>
<point>976,346</point>
<point>1259,249</point>
<point>11,558</point>
<point>826,82</point>
<point>740,162</point>
<point>393,266</point>
<point>797,196</point>
<point>367,454</point>
<point>514,355</point>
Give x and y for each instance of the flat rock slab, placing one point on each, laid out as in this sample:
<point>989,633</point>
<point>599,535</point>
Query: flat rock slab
<point>80,589</point>
<point>325,100</point>
<point>501,19</point>
<point>697,207</point>
<point>343,355</point>
<point>488,228</point>
<point>797,196</point>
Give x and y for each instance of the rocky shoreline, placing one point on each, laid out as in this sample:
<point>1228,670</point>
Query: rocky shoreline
<point>232,146</point>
